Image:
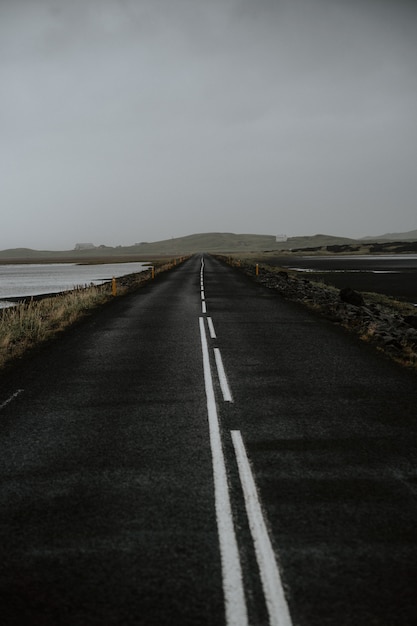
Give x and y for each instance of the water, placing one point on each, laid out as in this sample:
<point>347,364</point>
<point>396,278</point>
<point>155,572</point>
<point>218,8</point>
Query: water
<point>31,279</point>
<point>392,275</point>
<point>362,263</point>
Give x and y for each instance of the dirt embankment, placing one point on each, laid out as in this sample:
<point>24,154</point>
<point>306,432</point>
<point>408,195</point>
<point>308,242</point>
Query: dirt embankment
<point>389,325</point>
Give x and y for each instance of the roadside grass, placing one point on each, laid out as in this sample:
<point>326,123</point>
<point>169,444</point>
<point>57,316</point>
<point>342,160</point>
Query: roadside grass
<point>28,324</point>
<point>31,323</point>
<point>401,306</point>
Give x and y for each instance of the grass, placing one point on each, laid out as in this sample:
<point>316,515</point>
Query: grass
<point>31,323</point>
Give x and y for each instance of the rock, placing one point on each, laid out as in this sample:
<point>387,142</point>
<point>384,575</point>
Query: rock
<point>350,296</point>
<point>411,320</point>
<point>411,337</point>
<point>392,344</point>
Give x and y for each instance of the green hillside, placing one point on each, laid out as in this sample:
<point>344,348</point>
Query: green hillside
<point>410,235</point>
<point>202,242</point>
<point>190,244</point>
<point>208,242</point>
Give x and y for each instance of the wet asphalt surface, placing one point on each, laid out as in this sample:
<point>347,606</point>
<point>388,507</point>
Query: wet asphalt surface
<point>106,493</point>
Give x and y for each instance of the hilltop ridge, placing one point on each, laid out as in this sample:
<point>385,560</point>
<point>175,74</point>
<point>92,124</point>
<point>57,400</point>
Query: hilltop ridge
<point>188,244</point>
<point>410,235</point>
<point>216,242</point>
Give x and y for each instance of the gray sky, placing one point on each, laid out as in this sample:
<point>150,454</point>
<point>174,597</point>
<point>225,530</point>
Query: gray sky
<point>137,120</point>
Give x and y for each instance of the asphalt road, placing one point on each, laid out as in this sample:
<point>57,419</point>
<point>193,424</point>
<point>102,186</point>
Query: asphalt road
<point>130,447</point>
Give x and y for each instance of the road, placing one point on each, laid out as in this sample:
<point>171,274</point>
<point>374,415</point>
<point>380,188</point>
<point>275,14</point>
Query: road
<point>204,452</point>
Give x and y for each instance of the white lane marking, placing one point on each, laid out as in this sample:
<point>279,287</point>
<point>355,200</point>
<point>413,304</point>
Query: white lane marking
<point>202,295</point>
<point>12,397</point>
<point>234,597</point>
<point>203,307</point>
<point>271,581</point>
<point>211,328</point>
<point>224,385</point>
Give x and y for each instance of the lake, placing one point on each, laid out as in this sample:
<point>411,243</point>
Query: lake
<point>31,279</point>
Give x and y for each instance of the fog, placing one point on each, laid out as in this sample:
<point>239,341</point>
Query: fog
<point>138,120</point>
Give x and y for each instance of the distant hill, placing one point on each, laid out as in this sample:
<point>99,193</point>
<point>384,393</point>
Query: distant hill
<point>201,242</point>
<point>410,235</point>
<point>209,242</point>
<point>27,254</point>
<point>314,241</point>
<point>190,244</point>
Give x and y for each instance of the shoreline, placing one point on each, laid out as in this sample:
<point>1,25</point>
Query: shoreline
<point>27,282</point>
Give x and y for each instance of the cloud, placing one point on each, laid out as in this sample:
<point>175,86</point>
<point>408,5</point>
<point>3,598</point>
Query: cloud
<point>134,120</point>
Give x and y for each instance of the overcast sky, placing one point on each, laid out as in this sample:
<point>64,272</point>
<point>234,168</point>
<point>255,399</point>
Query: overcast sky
<point>138,120</point>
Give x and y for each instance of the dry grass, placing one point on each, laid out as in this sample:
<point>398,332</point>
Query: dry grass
<point>29,324</point>
<point>390,302</point>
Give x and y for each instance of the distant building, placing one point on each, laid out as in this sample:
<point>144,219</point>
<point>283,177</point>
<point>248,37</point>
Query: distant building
<point>84,246</point>
<point>279,238</point>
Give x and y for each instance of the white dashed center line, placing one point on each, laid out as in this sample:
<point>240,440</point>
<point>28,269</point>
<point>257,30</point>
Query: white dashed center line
<point>224,385</point>
<point>235,603</point>
<point>234,596</point>
<point>271,581</point>
<point>211,328</point>
<point>12,397</point>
